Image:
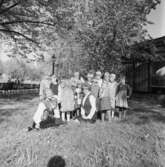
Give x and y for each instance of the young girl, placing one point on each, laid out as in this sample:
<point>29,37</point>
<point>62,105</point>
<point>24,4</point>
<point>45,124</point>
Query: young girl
<point>78,94</point>
<point>67,99</point>
<point>104,95</point>
<point>113,88</point>
<point>123,92</point>
<point>95,88</point>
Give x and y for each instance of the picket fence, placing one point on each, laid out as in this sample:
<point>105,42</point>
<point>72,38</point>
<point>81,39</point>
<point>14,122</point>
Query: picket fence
<point>8,89</point>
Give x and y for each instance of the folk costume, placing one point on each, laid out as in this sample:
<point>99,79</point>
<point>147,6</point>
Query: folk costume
<point>48,104</point>
<point>123,92</point>
<point>67,99</point>
<point>105,96</point>
<point>88,109</point>
<point>112,89</point>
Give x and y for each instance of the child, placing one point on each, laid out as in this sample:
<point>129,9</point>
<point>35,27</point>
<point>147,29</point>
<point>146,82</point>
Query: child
<point>56,89</point>
<point>105,97</point>
<point>78,98</point>
<point>113,87</point>
<point>123,92</point>
<point>90,77</point>
<point>67,99</point>
<point>98,78</point>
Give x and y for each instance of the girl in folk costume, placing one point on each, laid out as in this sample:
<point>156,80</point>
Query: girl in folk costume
<point>90,77</point>
<point>99,78</point>
<point>105,97</point>
<point>56,89</point>
<point>123,93</point>
<point>113,88</point>
<point>95,87</point>
<point>76,83</point>
<point>67,99</point>
<point>78,95</point>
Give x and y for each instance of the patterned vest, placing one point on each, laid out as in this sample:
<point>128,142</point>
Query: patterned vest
<point>87,106</point>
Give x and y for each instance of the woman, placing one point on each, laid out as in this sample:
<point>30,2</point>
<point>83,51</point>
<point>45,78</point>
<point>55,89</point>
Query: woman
<point>88,107</point>
<point>48,106</point>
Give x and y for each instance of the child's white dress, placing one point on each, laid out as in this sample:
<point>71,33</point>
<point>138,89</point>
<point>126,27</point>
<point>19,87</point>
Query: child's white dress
<point>67,97</point>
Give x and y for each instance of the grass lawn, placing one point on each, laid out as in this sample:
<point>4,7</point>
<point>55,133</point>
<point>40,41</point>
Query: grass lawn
<point>137,142</point>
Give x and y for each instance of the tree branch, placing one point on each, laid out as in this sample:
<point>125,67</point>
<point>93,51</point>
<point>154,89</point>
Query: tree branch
<point>26,21</point>
<point>8,8</point>
<point>19,34</point>
<point>1,3</point>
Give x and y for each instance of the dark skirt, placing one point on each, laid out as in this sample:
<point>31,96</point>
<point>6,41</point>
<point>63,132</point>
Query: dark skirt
<point>51,122</point>
<point>105,104</point>
<point>97,104</point>
<point>93,120</point>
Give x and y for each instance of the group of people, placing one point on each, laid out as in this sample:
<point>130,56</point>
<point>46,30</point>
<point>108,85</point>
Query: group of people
<point>81,99</point>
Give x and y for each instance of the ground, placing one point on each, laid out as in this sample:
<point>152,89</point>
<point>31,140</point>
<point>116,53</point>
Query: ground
<point>136,142</point>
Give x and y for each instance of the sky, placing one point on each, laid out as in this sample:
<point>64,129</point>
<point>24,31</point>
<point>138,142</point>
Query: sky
<point>156,30</point>
<point>158,18</point>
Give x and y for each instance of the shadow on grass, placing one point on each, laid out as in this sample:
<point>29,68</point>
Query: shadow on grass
<point>16,98</point>
<point>56,161</point>
<point>9,111</point>
<point>143,113</point>
<point>6,113</point>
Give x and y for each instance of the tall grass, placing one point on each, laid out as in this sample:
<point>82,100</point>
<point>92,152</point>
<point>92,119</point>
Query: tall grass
<point>115,144</point>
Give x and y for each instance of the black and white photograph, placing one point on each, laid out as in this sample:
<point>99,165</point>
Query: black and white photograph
<point>82,83</point>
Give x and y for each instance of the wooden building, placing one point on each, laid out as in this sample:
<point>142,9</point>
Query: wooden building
<point>141,71</point>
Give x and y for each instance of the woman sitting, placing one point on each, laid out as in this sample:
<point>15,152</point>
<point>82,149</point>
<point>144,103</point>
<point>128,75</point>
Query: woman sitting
<point>88,108</point>
<point>48,106</point>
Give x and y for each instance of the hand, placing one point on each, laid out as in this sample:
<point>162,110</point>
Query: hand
<point>128,97</point>
<point>41,98</point>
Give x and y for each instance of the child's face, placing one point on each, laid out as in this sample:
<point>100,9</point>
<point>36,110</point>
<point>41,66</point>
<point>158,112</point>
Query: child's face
<point>90,77</point>
<point>123,80</point>
<point>112,78</point>
<point>106,78</point>
<point>86,91</point>
<point>98,77</point>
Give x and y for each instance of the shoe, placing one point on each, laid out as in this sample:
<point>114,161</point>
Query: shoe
<point>29,129</point>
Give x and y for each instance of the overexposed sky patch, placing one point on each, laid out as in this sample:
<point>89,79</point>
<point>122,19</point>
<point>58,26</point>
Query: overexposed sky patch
<point>157,16</point>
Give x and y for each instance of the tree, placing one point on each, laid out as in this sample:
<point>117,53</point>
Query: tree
<point>107,27</point>
<point>102,29</point>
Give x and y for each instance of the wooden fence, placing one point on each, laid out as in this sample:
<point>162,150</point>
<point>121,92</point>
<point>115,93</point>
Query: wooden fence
<point>143,78</point>
<point>11,89</point>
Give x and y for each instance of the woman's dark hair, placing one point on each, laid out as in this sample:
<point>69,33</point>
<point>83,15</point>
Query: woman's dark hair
<point>56,161</point>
